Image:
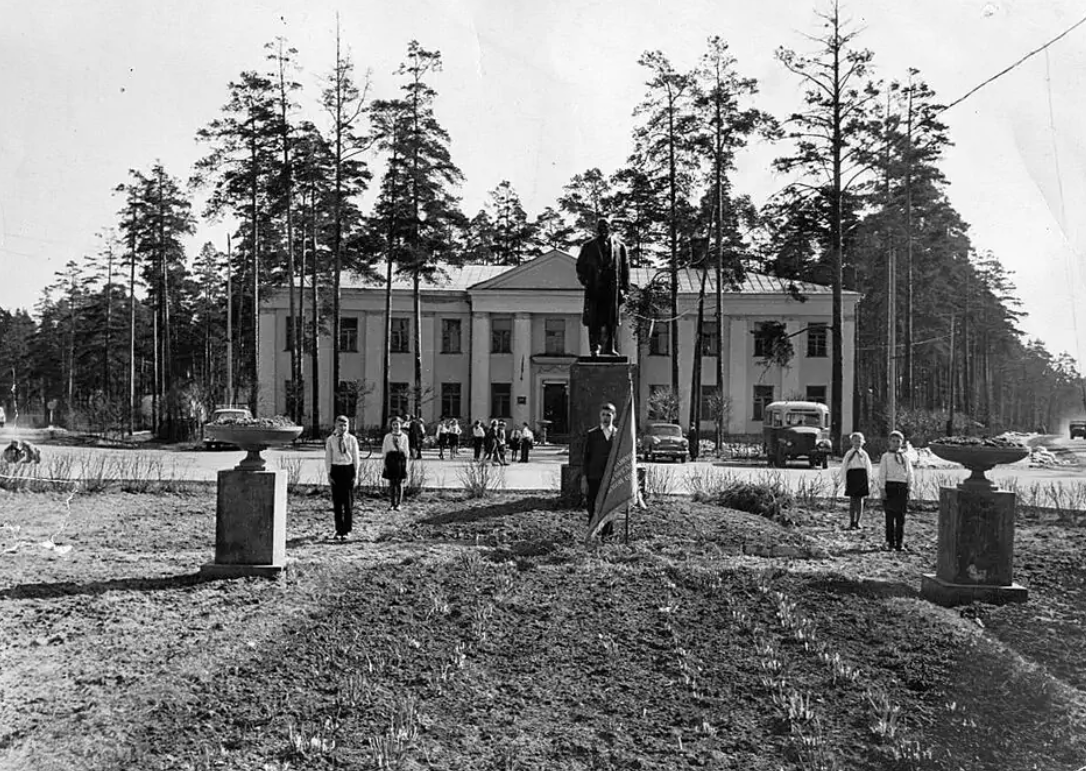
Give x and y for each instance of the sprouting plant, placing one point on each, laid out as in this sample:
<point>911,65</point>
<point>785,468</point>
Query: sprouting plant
<point>799,707</point>
<point>885,715</point>
<point>313,742</point>
<point>388,750</point>
<point>480,621</point>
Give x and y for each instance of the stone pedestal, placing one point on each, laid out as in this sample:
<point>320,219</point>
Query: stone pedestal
<point>976,549</point>
<point>592,381</point>
<point>250,524</point>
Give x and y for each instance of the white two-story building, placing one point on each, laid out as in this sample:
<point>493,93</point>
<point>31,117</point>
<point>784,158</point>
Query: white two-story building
<point>497,341</point>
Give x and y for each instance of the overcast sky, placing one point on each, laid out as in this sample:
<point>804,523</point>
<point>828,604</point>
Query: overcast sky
<point>533,93</point>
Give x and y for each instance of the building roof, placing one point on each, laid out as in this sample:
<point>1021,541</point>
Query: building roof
<point>461,278</point>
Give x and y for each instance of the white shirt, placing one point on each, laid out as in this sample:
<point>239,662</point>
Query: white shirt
<point>526,435</point>
<point>456,428</point>
<point>398,442</point>
<point>478,432</point>
<point>337,453</point>
<point>608,431</point>
<point>895,467</point>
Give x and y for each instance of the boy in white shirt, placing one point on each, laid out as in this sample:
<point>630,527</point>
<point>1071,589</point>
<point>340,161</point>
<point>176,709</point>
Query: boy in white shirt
<point>895,479</point>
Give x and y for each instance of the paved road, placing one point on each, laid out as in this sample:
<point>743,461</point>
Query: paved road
<point>543,472</point>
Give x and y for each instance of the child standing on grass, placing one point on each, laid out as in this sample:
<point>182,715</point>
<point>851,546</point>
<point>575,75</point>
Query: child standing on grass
<point>895,479</point>
<point>856,468</point>
<point>396,451</point>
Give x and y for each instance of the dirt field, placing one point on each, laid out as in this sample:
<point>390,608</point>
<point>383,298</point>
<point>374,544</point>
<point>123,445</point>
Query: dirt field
<point>482,634</point>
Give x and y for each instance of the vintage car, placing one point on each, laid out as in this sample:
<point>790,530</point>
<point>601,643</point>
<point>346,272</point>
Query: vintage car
<point>1078,429</point>
<point>216,417</point>
<point>796,430</point>
<point>664,440</point>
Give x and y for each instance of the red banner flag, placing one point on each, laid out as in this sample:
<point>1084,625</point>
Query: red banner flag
<point>619,489</point>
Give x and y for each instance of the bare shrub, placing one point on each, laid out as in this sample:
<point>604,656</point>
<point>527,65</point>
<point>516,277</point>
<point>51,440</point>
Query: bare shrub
<point>659,480</point>
<point>480,480</point>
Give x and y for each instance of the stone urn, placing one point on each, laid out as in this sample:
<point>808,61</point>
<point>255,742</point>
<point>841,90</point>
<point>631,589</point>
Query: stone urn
<point>978,459</point>
<point>254,439</point>
<point>251,502</point>
<point>976,528</point>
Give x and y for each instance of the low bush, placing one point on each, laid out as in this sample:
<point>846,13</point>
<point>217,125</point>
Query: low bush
<point>480,480</point>
<point>771,500</point>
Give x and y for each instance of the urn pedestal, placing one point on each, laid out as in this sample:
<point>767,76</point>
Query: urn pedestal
<point>251,507</point>
<point>976,534</point>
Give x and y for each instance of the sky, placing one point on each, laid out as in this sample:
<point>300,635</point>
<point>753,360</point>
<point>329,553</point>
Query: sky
<point>533,93</point>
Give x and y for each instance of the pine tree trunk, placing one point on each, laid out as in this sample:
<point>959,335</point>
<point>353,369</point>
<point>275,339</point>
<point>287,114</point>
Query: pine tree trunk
<point>132,338</point>
<point>314,332</point>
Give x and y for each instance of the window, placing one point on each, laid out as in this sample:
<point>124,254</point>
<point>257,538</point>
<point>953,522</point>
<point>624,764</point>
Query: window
<point>659,399</point>
<point>554,336</point>
<point>763,396</point>
<point>348,333</point>
<point>816,394</point>
<point>760,347</point>
<point>710,343</point>
<point>450,336</point>
<point>450,400</point>
<point>501,335</point>
<point>347,399</point>
<point>398,398</point>
<point>707,394</point>
<point>660,338</point>
<point>501,400</point>
<point>400,339</point>
<point>817,340</point>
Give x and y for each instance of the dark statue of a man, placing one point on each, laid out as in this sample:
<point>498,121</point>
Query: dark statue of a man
<point>603,269</point>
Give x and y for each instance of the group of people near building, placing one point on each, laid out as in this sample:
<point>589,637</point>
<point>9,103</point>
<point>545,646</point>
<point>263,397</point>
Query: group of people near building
<point>494,443</point>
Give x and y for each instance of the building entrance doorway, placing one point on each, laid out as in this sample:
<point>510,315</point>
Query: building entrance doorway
<point>556,409</point>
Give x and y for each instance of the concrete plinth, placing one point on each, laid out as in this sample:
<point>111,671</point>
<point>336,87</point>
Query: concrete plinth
<point>250,524</point>
<point>976,549</point>
<point>592,381</point>
<point>944,593</point>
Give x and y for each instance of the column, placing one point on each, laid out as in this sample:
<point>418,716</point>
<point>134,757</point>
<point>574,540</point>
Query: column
<point>582,347</point>
<point>522,367</point>
<point>480,366</point>
<point>791,388</point>
<point>739,394</point>
<point>430,387</point>
<point>627,344</point>
<point>373,344</point>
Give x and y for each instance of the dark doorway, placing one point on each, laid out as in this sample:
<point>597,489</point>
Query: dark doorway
<point>556,408</point>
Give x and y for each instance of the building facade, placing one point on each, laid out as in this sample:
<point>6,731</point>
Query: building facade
<point>497,341</point>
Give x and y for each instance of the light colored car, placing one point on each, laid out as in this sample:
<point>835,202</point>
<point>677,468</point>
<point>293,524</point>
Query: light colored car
<point>223,414</point>
<point>665,440</point>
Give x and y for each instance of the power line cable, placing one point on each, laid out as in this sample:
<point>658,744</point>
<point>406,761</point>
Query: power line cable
<point>1003,72</point>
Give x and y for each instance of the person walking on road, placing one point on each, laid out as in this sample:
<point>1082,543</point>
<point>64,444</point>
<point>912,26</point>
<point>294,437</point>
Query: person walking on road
<point>341,462</point>
<point>396,451</point>
<point>478,437</point>
<point>526,440</point>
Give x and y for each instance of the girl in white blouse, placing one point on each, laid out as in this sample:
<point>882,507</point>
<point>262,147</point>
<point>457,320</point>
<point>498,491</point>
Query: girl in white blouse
<point>856,468</point>
<point>396,451</point>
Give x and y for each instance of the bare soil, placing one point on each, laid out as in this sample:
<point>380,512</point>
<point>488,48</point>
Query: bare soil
<point>465,634</point>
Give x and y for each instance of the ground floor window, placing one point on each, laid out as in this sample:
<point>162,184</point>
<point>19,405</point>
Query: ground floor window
<point>763,396</point>
<point>398,398</point>
<point>501,402</point>
<point>451,400</point>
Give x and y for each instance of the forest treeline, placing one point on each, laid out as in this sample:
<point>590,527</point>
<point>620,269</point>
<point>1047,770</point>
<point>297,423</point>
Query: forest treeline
<point>367,183</point>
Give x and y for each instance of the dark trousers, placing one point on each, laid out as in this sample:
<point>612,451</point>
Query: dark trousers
<point>602,337</point>
<point>477,445</point>
<point>395,491</point>
<point>895,503</point>
<point>524,448</point>
<point>590,501</point>
<point>342,478</point>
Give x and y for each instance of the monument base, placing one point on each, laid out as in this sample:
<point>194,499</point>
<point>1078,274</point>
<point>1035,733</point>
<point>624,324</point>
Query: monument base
<point>213,570</point>
<point>250,524</point>
<point>593,380</point>
<point>944,593</point>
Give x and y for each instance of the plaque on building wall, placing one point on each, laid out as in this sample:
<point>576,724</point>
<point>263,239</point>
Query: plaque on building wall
<point>522,400</point>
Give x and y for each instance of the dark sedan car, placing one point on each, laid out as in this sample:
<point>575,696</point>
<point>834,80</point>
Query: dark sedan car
<point>1078,429</point>
<point>664,440</point>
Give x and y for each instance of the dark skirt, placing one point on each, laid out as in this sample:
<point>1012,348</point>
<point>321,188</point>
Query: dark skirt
<point>395,466</point>
<point>856,485</point>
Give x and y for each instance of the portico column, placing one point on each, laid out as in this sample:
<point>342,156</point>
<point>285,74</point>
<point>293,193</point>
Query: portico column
<point>480,366</point>
<point>739,358</point>
<point>522,366</point>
